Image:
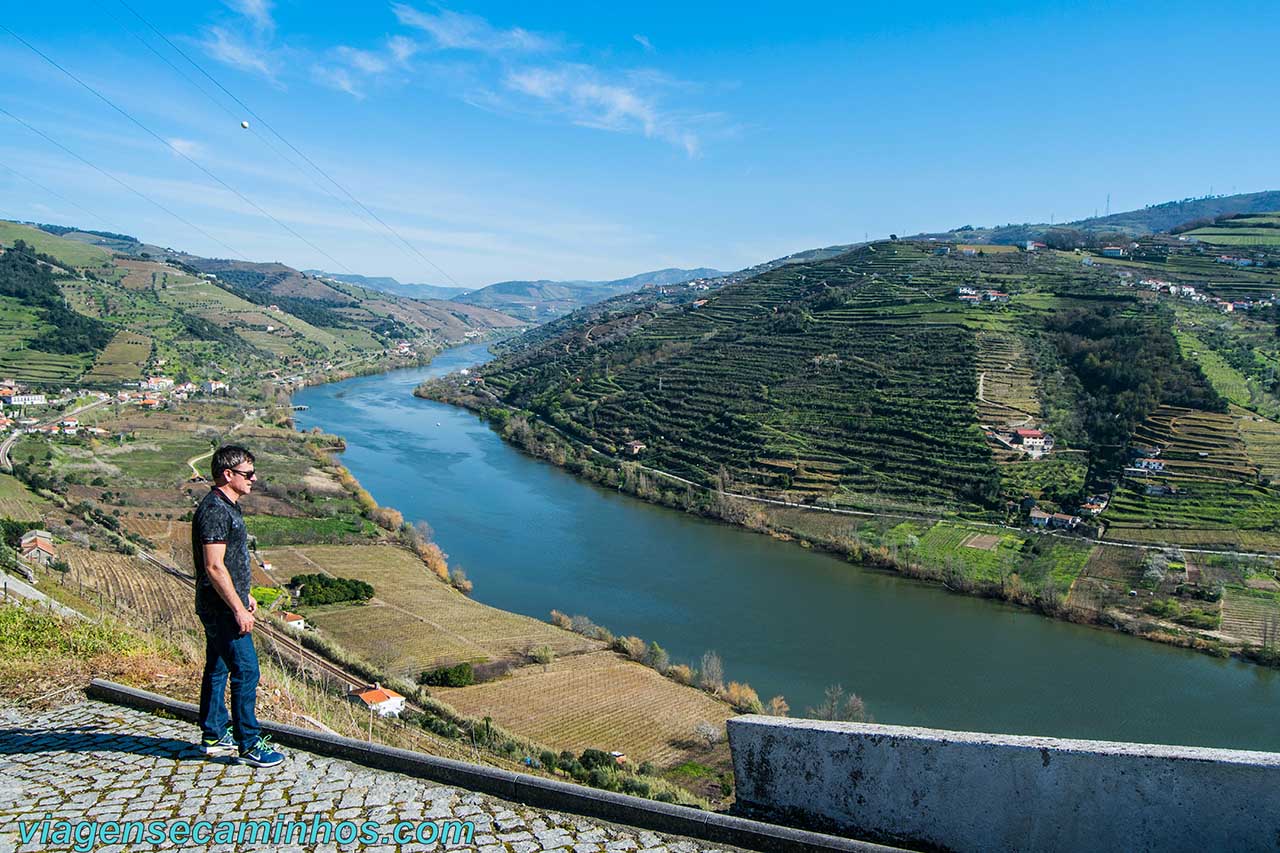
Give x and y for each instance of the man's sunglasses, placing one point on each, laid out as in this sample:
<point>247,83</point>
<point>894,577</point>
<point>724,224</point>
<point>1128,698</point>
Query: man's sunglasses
<point>251,474</point>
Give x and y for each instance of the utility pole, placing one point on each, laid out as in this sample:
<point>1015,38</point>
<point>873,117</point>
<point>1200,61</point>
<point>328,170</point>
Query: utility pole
<point>1108,204</point>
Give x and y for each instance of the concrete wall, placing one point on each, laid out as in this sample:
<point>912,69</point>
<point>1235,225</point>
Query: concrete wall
<point>963,791</point>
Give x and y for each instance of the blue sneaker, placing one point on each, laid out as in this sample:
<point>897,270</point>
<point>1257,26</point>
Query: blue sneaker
<point>262,755</point>
<point>225,745</point>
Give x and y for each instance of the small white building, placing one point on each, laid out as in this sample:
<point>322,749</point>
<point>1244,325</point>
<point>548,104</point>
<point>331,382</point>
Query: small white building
<point>29,400</point>
<point>293,621</point>
<point>383,701</point>
<point>37,547</point>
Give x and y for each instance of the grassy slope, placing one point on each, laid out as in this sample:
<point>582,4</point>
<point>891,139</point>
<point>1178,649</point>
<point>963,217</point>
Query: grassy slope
<point>71,252</point>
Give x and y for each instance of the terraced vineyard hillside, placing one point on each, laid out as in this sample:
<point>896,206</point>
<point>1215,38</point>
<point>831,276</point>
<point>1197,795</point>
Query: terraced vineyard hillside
<point>871,380</point>
<point>1252,229</point>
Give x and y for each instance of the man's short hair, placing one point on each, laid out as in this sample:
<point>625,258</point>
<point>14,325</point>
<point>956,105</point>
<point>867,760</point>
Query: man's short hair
<point>229,456</point>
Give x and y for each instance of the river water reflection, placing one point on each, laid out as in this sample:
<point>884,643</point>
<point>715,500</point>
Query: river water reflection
<point>787,620</point>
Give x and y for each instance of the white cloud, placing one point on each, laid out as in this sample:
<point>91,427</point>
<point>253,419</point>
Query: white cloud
<point>402,48</point>
<point>187,147</point>
<point>582,94</point>
<point>229,48</point>
<point>644,42</point>
<point>457,31</point>
<point>338,78</point>
<point>362,60</point>
<point>258,12</point>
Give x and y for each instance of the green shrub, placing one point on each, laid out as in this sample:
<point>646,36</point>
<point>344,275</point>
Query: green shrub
<point>322,589</point>
<point>599,777</point>
<point>548,759</point>
<point>458,675</point>
<point>593,758</point>
<point>635,787</point>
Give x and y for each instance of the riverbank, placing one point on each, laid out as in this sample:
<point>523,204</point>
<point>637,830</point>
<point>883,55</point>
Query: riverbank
<point>1143,592</point>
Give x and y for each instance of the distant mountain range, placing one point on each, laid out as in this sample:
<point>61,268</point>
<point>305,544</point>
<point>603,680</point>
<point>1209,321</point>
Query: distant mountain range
<point>1154,219</point>
<point>539,301</point>
<point>390,285</point>
<point>531,301</point>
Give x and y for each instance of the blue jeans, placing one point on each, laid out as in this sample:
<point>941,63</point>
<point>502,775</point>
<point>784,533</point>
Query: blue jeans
<point>227,652</point>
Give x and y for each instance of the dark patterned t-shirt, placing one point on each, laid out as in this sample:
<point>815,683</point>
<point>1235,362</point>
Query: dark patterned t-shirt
<point>217,519</point>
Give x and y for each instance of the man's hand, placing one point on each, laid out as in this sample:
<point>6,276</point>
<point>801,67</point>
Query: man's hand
<point>253,604</point>
<point>244,621</point>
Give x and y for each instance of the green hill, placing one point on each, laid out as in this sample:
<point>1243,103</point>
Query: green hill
<point>539,301</point>
<point>863,380</point>
<point>71,253</point>
<point>391,285</point>
<point>1240,229</point>
<point>1093,231</point>
<point>104,316</point>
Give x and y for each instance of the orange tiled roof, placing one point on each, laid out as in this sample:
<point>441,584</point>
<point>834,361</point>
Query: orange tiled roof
<point>378,695</point>
<point>39,545</point>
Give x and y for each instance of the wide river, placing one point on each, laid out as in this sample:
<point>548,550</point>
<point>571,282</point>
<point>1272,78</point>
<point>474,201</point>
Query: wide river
<point>787,620</point>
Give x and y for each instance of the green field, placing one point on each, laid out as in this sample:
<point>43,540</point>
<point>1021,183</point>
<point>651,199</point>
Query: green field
<point>70,252</point>
<point>1225,379</point>
<point>1258,229</point>
<point>944,545</point>
<point>123,359</point>
<point>18,503</point>
<point>273,531</point>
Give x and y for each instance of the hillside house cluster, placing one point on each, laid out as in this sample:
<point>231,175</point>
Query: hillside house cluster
<point>1234,261</point>
<point>1193,294</point>
<point>972,296</point>
<point>1033,442</point>
<point>1094,505</point>
<point>1054,520</point>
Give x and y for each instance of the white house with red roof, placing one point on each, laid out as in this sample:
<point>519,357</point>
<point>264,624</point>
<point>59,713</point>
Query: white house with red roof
<point>1033,441</point>
<point>293,620</point>
<point>383,701</point>
<point>37,547</point>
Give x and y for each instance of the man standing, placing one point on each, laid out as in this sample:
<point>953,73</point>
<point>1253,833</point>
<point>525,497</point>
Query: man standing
<point>220,546</point>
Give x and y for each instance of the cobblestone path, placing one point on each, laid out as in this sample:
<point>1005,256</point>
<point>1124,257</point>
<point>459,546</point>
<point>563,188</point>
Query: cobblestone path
<point>101,762</point>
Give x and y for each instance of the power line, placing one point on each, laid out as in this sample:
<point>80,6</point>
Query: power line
<point>174,149</point>
<point>291,146</point>
<point>47,138</point>
<point>236,118</point>
<point>58,195</point>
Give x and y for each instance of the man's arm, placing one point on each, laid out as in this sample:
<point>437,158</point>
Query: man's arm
<point>220,578</point>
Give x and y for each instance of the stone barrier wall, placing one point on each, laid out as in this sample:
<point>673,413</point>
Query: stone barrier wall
<point>963,791</point>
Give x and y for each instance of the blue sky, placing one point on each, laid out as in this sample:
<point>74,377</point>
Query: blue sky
<point>512,140</point>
